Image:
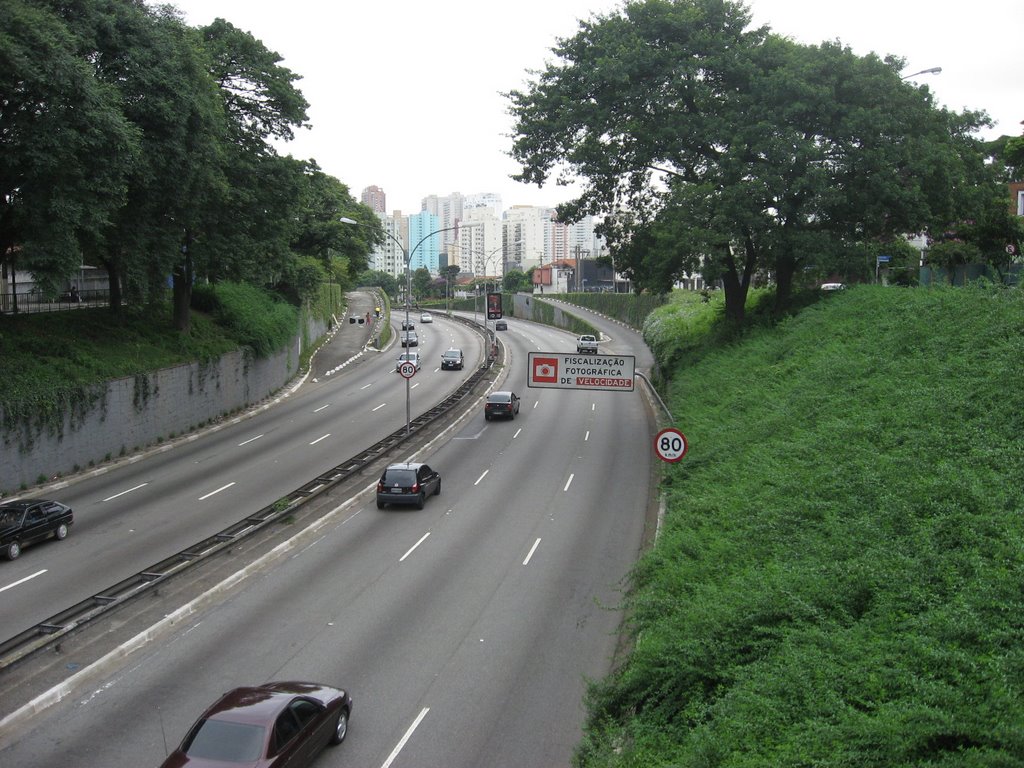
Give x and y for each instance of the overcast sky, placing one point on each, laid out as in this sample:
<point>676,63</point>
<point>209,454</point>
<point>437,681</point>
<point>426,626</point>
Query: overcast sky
<point>405,94</point>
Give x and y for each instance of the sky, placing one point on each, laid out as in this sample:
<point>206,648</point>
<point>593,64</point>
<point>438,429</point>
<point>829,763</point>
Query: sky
<point>407,94</point>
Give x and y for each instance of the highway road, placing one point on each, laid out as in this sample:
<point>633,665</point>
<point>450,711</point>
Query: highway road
<point>464,631</point>
<point>137,512</point>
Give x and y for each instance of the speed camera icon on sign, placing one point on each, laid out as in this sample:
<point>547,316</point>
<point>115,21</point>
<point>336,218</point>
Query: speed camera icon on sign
<point>545,370</point>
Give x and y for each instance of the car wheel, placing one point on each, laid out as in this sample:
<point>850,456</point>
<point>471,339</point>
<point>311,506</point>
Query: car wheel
<point>487,417</point>
<point>62,532</point>
<point>340,728</point>
<point>13,550</point>
<point>421,500</point>
<point>438,491</point>
<point>380,504</point>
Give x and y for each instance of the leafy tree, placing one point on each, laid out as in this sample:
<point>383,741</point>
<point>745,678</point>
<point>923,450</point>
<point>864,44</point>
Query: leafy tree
<point>733,151</point>
<point>319,231</point>
<point>249,231</point>
<point>377,279</point>
<point>515,280</point>
<point>421,280</point>
<point>65,146</point>
<point>152,59</point>
<point>260,96</point>
<point>1008,153</point>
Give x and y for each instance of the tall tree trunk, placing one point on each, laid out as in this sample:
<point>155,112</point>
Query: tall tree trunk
<point>113,282</point>
<point>183,274</point>
<point>737,284</point>
<point>785,268</point>
<point>14,286</point>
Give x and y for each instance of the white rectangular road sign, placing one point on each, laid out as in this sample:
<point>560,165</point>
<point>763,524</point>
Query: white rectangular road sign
<point>569,370</point>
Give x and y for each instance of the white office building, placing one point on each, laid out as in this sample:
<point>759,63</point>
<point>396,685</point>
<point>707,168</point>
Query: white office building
<point>388,257</point>
<point>526,234</point>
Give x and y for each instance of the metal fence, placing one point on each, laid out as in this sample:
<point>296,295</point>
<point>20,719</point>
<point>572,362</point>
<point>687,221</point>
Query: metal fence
<point>35,301</point>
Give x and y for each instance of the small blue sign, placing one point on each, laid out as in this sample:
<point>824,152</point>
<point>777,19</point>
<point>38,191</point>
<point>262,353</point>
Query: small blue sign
<point>883,259</point>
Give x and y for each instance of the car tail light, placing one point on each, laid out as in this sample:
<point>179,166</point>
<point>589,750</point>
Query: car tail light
<point>415,487</point>
<point>380,486</point>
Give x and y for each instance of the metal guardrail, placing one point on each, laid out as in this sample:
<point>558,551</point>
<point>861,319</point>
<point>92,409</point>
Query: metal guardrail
<point>48,632</point>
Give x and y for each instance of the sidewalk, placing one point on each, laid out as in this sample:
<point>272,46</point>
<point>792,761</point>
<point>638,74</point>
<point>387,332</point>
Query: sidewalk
<point>349,340</point>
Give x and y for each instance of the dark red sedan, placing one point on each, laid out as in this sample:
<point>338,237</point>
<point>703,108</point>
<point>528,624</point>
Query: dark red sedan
<point>276,724</point>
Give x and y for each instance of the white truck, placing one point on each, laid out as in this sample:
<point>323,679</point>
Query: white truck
<point>586,344</point>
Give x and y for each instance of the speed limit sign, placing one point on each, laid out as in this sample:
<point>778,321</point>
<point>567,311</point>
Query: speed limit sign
<point>407,369</point>
<point>670,445</point>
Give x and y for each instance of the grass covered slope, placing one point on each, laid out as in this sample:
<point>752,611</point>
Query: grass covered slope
<point>840,576</point>
<point>53,360</point>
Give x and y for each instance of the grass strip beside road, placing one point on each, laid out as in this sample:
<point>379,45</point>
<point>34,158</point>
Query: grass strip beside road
<point>838,579</point>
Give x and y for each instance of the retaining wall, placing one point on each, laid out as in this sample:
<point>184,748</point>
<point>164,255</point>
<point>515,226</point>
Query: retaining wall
<point>139,411</point>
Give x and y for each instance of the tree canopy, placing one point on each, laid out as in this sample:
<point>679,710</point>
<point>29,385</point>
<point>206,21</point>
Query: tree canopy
<point>713,146</point>
<point>137,143</point>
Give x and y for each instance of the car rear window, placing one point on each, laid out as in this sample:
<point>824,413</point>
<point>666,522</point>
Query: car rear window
<point>499,398</point>
<point>226,741</point>
<point>400,477</point>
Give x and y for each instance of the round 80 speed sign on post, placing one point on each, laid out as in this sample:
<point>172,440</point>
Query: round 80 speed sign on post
<point>407,369</point>
<point>670,445</point>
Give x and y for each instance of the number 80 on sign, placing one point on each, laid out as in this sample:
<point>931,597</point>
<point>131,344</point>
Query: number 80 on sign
<point>670,445</point>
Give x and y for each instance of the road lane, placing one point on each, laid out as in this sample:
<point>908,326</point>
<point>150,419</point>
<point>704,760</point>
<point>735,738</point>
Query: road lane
<point>476,619</point>
<point>139,512</point>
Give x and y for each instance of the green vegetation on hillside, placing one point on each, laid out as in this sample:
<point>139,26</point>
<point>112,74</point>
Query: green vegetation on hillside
<point>53,360</point>
<point>838,577</point>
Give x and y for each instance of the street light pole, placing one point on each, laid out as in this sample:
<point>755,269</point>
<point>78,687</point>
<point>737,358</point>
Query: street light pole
<point>407,254</point>
<point>929,71</point>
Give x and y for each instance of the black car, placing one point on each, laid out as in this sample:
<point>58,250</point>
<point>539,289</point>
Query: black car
<point>407,484</point>
<point>501,404</point>
<point>451,359</point>
<point>500,325</point>
<point>266,726</point>
<point>408,325</point>
<point>410,339</point>
<point>27,521</point>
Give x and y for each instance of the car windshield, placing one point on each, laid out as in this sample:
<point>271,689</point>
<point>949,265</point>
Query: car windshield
<point>400,477</point>
<point>225,741</point>
<point>10,516</point>
<point>452,355</point>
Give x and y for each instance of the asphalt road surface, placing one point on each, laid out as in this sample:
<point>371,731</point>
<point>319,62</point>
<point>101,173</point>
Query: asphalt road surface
<point>465,631</point>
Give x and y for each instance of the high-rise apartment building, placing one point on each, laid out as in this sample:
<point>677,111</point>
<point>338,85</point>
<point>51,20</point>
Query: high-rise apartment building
<point>525,233</point>
<point>424,237</point>
<point>373,197</point>
<point>449,212</point>
<point>482,200</point>
<point>481,245</point>
<point>389,257</point>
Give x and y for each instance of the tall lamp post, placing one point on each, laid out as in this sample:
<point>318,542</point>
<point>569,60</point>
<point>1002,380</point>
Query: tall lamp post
<point>929,71</point>
<point>407,254</point>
